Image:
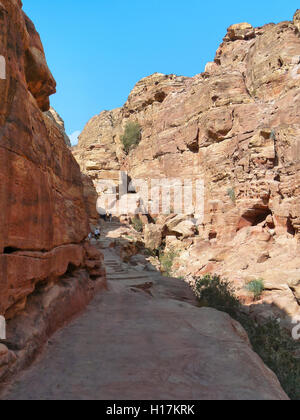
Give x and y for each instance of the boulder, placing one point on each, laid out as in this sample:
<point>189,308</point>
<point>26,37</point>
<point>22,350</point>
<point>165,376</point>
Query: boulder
<point>152,236</point>
<point>186,229</point>
<point>240,31</point>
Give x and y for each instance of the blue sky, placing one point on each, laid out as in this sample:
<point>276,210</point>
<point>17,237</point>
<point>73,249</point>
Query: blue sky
<point>98,49</point>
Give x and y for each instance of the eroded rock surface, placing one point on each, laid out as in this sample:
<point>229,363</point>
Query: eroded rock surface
<point>236,126</point>
<point>145,338</point>
<point>55,117</point>
<point>43,218</point>
<point>43,214</point>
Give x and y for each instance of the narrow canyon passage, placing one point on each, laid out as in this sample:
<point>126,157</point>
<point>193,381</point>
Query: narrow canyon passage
<point>145,338</point>
<point>204,172</point>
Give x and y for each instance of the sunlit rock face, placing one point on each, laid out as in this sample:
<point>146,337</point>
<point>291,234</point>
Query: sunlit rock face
<point>297,19</point>
<point>43,216</point>
<point>236,126</point>
<point>56,118</point>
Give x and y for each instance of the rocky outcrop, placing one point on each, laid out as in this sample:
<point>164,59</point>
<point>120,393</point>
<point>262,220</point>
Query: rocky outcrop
<point>45,265</point>
<point>297,19</point>
<point>48,309</point>
<point>43,218</point>
<point>56,118</point>
<point>237,127</point>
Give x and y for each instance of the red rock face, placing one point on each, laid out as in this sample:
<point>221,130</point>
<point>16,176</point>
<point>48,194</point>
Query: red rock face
<point>42,211</point>
<point>237,126</point>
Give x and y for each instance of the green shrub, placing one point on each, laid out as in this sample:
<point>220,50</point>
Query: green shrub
<point>278,351</point>
<point>166,262</point>
<point>150,252</point>
<point>256,287</point>
<point>270,341</point>
<point>137,224</point>
<point>132,136</point>
<point>212,291</point>
<point>231,194</point>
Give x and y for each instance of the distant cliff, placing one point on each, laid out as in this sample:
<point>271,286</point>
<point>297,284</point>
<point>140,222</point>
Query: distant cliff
<point>237,126</point>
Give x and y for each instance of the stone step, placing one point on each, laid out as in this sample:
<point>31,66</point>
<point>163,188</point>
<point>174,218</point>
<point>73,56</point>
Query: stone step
<point>127,277</point>
<point>112,264</point>
<point>115,271</point>
<point>113,267</point>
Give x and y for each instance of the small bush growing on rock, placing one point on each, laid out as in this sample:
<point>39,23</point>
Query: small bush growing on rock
<point>232,195</point>
<point>166,262</point>
<point>278,351</point>
<point>132,136</point>
<point>270,341</point>
<point>150,252</point>
<point>215,292</point>
<point>256,287</point>
<point>137,224</point>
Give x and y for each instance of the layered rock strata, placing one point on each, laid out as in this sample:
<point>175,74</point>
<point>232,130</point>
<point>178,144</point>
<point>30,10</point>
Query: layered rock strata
<point>237,127</point>
<point>43,214</point>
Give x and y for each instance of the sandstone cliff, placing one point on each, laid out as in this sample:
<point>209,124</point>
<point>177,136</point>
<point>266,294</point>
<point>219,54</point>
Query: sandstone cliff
<point>47,268</point>
<point>56,118</point>
<point>237,126</point>
<point>43,219</point>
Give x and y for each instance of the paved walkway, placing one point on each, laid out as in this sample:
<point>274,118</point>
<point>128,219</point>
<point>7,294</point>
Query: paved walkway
<point>145,339</point>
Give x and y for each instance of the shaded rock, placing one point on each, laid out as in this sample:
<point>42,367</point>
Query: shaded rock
<point>46,312</point>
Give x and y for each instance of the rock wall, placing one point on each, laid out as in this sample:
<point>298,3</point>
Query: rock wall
<point>43,219</point>
<point>237,126</point>
<point>55,117</point>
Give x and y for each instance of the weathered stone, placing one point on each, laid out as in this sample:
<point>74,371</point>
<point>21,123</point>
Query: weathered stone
<point>43,217</point>
<point>3,350</point>
<point>171,348</point>
<point>153,236</point>
<point>236,126</point>
<point>54,116</point>
<point>240,31</point>
<point>297,19</point>
<point>186,229</point>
